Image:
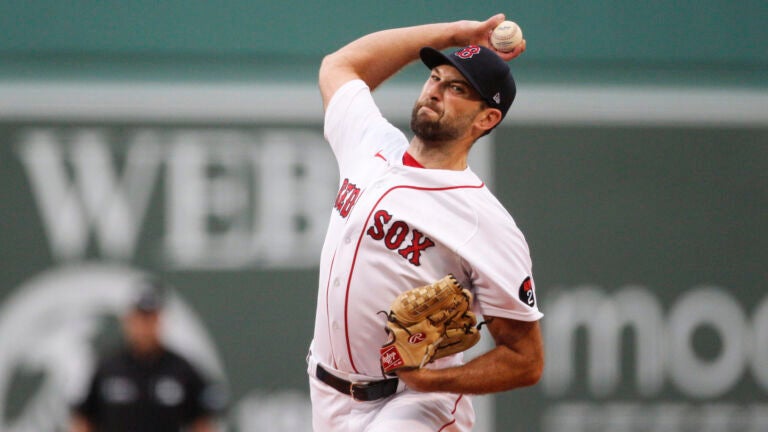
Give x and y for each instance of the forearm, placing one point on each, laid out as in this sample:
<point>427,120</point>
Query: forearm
<point>498,370</point>
<point>378,56</point>
<point>516,361</point>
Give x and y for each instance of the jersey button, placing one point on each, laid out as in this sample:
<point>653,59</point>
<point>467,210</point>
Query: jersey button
<point>335,325</point>
<point>347,240</point>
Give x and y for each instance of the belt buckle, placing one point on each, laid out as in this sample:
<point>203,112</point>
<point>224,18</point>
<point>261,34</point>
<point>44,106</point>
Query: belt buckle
<point>359,386</point>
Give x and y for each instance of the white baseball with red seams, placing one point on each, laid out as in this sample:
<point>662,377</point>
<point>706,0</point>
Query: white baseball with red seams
<point>394,227</point>
<point>506,36</point>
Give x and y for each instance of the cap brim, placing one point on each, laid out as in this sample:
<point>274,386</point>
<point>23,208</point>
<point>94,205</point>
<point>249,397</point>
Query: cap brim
<point>433,58</point>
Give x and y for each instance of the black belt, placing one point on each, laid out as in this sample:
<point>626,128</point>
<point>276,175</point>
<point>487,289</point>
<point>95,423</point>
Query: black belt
<point>365,392</point>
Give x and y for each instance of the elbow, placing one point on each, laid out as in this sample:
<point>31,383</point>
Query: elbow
<point>533,373</point>
<point>327,60</point>
<point>526,372</point>
<point>522,376</point>
<point>325,65</point>
<point>334,63</point>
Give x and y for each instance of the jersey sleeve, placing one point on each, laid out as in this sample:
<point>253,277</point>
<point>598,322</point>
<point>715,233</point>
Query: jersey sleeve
<point>501,266</point>
<point>354,126</point>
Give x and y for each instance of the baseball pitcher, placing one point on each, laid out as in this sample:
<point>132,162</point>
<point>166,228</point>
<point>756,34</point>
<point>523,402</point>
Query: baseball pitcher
<point>418,254</point>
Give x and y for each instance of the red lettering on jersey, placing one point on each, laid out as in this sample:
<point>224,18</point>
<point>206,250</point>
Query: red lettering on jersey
<point>342,195</point>
<point>350,202</point>
<point>379,219</point>
<point>395,235</point>
<point>346,198</point>
<point>417,245</point>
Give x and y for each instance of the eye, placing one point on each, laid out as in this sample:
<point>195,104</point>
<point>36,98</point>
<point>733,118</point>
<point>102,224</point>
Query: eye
<point>458,88</point>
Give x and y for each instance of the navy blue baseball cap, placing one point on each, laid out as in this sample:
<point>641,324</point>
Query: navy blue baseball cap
<point>488,73</point>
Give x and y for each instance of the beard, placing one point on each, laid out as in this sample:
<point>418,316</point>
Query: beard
<point>437,130</point>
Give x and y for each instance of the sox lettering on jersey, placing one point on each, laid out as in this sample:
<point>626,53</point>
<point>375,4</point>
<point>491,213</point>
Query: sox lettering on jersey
<point>346,198</point>
<point>395,234</point>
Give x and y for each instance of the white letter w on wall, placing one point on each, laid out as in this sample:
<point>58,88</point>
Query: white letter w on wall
<point>74,179</point>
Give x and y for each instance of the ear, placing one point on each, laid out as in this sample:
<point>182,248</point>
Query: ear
<point>487,119</point>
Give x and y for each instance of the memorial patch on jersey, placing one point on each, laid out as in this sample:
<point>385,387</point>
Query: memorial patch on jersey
<point>526,294</point>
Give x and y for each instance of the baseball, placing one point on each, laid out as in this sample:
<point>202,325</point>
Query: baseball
<point>506,36</point>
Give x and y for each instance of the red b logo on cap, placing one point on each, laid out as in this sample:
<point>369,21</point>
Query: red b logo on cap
<point>467,52</point>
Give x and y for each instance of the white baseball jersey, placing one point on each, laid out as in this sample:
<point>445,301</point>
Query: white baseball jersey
<point>394,227</point>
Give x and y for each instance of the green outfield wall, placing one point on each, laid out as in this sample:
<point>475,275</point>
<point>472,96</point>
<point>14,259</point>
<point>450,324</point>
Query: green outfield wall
<point>705,42</point>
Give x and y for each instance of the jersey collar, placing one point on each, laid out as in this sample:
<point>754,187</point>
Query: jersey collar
<point>408,160</point>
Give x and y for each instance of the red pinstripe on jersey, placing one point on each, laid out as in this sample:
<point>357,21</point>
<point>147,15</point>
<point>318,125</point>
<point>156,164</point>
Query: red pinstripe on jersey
<point>455,407</point>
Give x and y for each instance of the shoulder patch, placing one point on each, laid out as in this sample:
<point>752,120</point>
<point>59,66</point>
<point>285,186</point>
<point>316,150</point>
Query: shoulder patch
<point>526,294</point>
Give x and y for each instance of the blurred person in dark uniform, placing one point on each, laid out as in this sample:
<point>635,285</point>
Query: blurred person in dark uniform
<point>145,387</point>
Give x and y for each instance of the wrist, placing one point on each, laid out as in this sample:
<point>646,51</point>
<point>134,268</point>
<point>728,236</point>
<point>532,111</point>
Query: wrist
<point>460,34</point>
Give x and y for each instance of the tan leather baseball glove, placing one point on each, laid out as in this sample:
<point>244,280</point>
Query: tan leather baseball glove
<point>427,323</point>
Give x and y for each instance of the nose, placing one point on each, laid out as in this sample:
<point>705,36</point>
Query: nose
<point>432,91</point>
